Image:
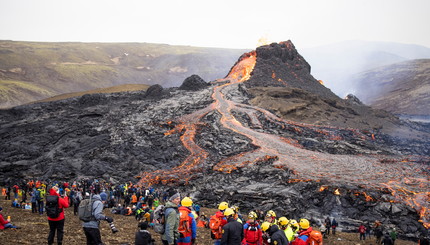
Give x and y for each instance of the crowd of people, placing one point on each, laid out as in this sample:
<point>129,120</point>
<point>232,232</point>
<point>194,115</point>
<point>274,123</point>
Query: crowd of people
<point>176,219</point>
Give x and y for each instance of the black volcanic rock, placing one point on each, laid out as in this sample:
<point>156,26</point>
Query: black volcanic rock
<point>280,65</point>
<point>154,91</point>
<point>193,83</point>
<point>172,137</point>
<point>350,98</point>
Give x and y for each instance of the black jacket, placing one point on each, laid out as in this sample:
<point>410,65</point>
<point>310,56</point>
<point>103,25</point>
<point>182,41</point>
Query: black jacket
<point>143,237</point>
<point>277,235</point>
<point>232,233</point>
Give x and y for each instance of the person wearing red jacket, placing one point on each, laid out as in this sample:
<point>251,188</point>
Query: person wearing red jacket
<point>253,234</point>
<point>57,224</point>
<point>304,233</point>
<point>4,224</point>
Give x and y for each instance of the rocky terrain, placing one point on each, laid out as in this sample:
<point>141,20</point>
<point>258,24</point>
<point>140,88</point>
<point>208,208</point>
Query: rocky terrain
<point>225,140</point>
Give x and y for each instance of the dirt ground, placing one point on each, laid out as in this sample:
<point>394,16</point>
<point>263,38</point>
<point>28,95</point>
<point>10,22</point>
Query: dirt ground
<point>35,229</point>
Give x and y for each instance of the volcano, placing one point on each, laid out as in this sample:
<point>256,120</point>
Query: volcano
<point>223,141</point>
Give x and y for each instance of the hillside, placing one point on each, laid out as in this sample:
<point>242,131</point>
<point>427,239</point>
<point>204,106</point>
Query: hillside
<point>215,143</point>
<point>114,89</point>
<point>401,88</point>
<point>31,71</point>
<point>336,63</point>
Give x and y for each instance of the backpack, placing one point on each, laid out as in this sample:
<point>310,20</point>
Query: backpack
<point>85,210</point>
<point>252,232</point>
<point>184,223</point>
<point>315,238</point>
<point>52,207</point>
<point>159,219</point>
<point>37,195</point>
<point>215,226</point>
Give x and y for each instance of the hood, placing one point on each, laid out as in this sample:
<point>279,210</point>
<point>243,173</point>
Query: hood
<point>52,192</point>
<point>170,204</point>
<point>305,232</point>
<point>273,229</point>
<point>96,197</point>
<point>219,214</point>
<point>144,233</point>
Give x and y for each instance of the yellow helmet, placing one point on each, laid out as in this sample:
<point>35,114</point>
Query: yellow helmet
<point>228,212</point>
<point>187,202</point>
<point>235,208</point>
<point>223,206</point>
<point>271,213</point>
<point>265,226</point>
<point>304,223</point>
<point>293,222</point>
<point>283,221</point>
<point>252,215</point>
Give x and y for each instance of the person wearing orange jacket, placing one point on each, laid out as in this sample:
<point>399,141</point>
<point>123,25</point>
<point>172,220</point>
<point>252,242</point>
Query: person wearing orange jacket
<point>57,224</point>
<point>187,223</point>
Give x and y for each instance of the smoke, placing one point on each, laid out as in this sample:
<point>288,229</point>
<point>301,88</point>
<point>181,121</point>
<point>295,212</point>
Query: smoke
<point>340,64</point>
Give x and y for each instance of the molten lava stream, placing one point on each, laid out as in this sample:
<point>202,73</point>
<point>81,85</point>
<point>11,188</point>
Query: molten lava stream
<point>343,169</point>
<point>197,156</point>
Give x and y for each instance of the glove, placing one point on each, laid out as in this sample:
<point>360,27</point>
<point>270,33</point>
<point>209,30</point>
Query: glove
<point>108,219</point>
<point>193,241</point>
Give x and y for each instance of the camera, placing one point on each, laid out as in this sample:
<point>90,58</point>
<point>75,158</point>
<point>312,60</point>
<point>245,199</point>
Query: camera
<point>113,228</point>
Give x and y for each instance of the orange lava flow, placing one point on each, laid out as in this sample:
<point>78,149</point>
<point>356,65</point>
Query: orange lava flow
<point>407,180</point>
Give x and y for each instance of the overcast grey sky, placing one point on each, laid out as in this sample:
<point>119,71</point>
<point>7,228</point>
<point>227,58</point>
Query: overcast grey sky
<point>221,23</point>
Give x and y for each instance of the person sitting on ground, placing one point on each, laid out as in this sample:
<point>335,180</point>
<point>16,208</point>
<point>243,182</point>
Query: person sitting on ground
<point>203,221</point>
<point>143,237</point>
<point>5,224</point>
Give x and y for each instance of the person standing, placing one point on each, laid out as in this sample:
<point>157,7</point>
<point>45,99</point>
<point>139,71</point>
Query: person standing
<point>232,232</point>
<point>334,224</point>
<point>252,232</point>
<point>393,235</point>
<point>217,221</point>
<point>171,214</point>
<point>362,231</point>
<point>187,223</point>
<point>275,235</point>
<point>76,201</point>
<point>56,215</point>
<point>33,201</point>
<point>387,240</point>
<point>328,225</point>
<point>304,233</point>
<point>40,198</point>
<point>91,227</point>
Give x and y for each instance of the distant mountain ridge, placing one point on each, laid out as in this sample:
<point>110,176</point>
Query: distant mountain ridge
<point>401,88</point>
<point>31,71</point>
<point>335,64</point>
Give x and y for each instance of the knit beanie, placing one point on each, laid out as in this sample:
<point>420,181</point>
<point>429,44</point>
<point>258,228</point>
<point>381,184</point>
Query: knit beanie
<point>174,196</point>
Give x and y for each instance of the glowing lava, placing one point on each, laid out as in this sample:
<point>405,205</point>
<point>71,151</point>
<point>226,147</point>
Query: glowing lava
<point>286,153</point>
